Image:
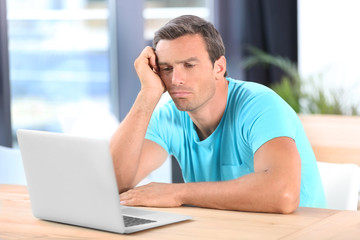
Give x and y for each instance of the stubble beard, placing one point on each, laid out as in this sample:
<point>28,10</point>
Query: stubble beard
<point>191,105</point>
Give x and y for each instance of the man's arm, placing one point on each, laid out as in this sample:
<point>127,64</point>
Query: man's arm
<point>273,187</point>
<point>128,146</point>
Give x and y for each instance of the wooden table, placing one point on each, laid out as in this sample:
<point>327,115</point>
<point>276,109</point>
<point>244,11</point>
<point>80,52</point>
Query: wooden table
<point>17,222</point>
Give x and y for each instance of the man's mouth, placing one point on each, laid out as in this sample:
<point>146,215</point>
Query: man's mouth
<point>180,93</point>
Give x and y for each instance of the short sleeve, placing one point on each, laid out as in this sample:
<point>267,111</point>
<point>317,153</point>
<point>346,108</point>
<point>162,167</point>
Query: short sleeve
<point>154,133</point>
<point>268,116</point>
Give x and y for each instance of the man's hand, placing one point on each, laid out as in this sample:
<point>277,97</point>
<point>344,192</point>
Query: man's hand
<point>152,195</point>
<point>147,70</point>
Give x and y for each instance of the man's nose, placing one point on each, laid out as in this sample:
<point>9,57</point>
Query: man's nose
<point>177,77</point>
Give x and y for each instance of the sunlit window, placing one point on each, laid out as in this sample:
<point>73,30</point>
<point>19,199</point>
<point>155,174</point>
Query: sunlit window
<point>59,66</point>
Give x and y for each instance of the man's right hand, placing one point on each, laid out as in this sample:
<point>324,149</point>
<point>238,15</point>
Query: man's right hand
<point>146,69</point>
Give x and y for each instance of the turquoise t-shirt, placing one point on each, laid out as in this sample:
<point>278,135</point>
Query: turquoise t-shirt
<point>254,115</point>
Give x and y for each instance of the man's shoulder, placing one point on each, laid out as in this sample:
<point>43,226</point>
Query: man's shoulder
<point>250,100</point>
<point>247,88</point>
<point>242,93</point>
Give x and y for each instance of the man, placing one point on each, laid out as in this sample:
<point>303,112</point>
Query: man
<point>240,146</point>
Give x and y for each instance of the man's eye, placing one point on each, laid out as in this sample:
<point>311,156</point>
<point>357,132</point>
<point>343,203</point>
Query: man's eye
<point>166,69</point>
<point>188,65</point>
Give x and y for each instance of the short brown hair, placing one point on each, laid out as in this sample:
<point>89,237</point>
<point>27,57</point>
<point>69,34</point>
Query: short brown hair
<point>189,24</point>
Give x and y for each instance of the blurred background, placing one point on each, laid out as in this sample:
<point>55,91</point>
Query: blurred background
<point>67,65</point>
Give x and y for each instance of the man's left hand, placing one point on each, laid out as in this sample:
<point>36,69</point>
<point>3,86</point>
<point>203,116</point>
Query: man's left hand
<point>152,195</point>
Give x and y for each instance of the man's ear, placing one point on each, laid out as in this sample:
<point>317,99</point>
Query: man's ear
<point>220,67</point>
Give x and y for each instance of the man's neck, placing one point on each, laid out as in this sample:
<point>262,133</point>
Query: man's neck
<point>208,118</point>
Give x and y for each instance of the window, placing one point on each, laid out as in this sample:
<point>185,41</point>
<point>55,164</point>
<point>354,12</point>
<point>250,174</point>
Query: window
<point>59,63</point>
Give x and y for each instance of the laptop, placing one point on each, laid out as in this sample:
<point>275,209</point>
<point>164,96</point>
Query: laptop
<point>71,180</point>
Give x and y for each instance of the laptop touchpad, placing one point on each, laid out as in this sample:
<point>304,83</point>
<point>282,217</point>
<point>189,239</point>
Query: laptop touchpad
<point>135,212</point>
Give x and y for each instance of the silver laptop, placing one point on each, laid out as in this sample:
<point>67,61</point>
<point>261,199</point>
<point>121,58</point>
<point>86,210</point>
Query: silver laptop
<point>71,180</point>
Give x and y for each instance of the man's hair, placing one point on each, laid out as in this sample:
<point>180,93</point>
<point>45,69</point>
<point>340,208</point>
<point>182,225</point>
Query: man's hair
<point>189,25</point>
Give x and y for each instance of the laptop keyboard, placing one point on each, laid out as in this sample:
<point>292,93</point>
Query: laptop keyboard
<point>134,221</point>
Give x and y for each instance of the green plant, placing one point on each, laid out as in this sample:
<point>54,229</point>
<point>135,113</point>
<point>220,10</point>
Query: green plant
<point>290,87</point>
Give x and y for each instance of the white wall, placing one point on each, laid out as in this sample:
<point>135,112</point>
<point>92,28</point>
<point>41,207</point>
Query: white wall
<point>329,44</point>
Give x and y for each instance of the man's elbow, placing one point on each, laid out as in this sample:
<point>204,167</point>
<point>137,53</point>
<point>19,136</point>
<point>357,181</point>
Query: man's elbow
<point>288,202</point>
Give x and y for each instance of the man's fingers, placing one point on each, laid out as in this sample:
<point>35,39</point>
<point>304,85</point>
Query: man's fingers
<point>153,63</point>
<point>129,198</point>
<point>147,70</point>
<point>151,56</point>
<point>126,199</point>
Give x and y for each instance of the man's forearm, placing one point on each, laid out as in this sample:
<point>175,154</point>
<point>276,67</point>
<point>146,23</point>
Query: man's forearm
<point>127,141</point>
<point>255,192</point>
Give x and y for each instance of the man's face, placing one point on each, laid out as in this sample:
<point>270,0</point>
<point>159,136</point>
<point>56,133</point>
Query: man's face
<point>187,72</point>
